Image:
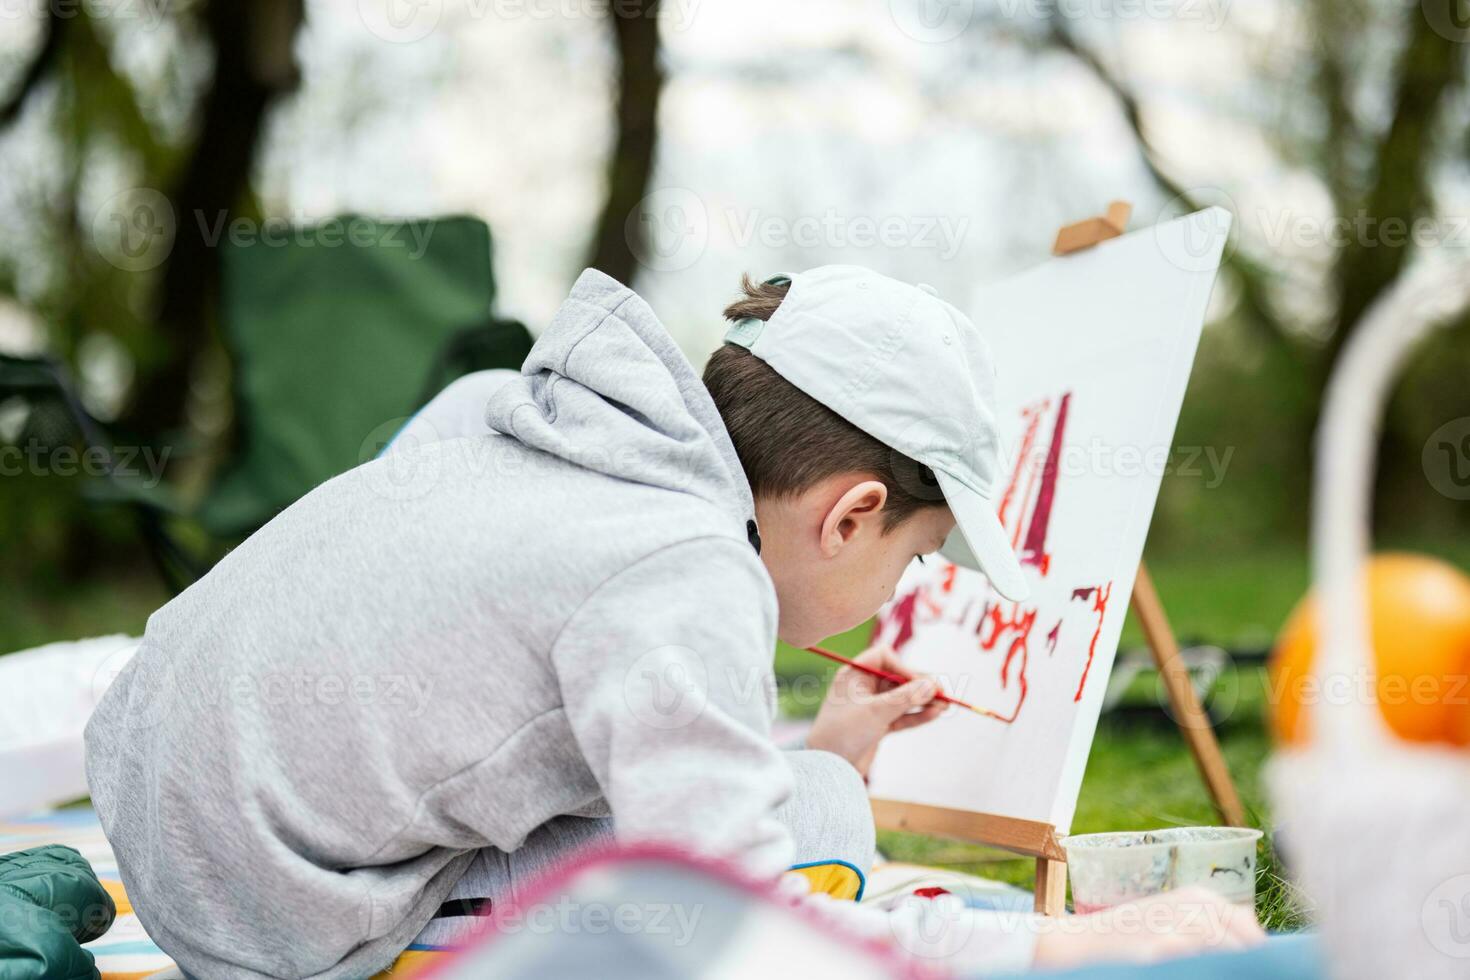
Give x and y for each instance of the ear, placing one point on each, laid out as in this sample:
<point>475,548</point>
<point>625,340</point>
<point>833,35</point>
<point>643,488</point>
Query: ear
<point>861,505</point>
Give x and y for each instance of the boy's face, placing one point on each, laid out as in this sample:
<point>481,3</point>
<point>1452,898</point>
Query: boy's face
<point>830,559</point>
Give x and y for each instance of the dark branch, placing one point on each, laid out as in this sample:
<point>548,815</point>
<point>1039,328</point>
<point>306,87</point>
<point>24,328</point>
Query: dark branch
<point>38,69</point>
<point>640,83</point>
<point>1334,156</point>
<point>1428,71</point>
<point>1255,304</point>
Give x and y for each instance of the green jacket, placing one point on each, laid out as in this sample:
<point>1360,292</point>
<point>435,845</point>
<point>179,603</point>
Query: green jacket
<point>50,903</point>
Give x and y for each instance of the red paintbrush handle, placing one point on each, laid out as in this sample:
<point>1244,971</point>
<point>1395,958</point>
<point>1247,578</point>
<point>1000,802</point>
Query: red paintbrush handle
<point>886,675</point>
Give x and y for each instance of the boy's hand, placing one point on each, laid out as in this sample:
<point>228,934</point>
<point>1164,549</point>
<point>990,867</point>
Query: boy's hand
<point>860,709</point>
<point>1178,923</point>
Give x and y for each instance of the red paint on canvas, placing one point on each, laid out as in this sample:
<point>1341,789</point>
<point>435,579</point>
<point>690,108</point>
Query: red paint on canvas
<point>1032,416</point>
<point>1034,551</point>
<point>902,613</point>
<point>1025,510</point>
<point>1100,595</point>
<point>1018,624</point>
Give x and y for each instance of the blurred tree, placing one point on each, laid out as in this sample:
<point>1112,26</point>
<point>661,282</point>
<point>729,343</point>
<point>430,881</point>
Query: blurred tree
<point>251,44</point>
<point>204,175</point>
<point>165,102</point>
<point>1374,175</point>
<point>620,237</point>
<point>1378,170</point>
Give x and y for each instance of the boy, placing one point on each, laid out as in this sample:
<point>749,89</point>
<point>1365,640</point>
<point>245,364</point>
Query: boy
<point>440,671</point>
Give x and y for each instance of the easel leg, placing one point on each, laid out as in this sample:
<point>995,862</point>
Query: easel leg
<point>1051,887</point>
<point>1188,713</point>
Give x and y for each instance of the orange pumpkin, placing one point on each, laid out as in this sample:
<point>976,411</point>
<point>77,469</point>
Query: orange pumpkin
<point>1419,611</point>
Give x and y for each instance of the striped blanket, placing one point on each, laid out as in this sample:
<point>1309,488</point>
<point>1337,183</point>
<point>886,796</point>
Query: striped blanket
<point>126,952</point>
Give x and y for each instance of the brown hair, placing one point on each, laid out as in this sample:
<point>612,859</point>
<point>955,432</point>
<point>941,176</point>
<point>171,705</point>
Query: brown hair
<point>788,441</point>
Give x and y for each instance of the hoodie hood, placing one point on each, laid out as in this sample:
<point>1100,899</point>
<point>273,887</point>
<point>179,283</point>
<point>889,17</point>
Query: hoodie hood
<point>606,388</point>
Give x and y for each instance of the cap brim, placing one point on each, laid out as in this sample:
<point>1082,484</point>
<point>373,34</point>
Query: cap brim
<point>979,541</point>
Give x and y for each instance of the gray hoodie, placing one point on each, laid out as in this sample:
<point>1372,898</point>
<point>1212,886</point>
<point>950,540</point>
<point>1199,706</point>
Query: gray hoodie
<point>442,649</point>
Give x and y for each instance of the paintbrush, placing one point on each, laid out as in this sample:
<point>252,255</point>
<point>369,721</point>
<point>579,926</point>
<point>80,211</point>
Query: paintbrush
<point>893,678</point>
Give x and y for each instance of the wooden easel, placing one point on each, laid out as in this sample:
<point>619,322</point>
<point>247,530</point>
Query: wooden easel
<point>1039,840</point>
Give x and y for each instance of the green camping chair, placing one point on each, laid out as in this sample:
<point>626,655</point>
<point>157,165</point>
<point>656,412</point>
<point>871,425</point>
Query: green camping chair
<point>336,345</point>
<point>337,334</point>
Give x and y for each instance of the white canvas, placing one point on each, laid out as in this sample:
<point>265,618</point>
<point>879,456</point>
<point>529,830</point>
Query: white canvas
<point>1101,342</point>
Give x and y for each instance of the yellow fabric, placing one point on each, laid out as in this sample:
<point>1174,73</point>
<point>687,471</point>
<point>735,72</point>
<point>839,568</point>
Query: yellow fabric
<point>412,962</point>
<point>119,896</point>
<point>837,880</point>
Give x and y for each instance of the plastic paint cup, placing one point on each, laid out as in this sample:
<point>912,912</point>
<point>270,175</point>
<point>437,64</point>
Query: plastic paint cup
<point>1109,869</point>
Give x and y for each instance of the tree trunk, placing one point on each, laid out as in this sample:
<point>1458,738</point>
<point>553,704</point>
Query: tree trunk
<point>1379,246</point>
<point>618,243</point>
<point>254,62</point>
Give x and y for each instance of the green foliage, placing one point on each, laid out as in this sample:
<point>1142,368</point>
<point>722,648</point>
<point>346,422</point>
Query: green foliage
<point>1239,476</point>
<point>121,603</point>
<point>1433,390</point>
<point>97,132</point>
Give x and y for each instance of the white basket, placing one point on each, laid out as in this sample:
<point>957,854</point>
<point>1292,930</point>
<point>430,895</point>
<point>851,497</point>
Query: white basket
<point>1377,829</point>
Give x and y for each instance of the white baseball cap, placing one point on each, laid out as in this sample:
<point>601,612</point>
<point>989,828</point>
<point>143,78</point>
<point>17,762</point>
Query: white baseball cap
<point>911,371</point>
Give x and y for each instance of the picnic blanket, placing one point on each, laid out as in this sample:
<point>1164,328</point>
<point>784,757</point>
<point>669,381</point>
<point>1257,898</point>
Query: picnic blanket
<point>126,952</point>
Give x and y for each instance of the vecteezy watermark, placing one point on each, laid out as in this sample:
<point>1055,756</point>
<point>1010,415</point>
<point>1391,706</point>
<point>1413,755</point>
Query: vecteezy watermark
<point>155,688</point>
<point>667,687</point>
<point>670,229</point>
<point>938,21</point>
<point>935,923</point>
<point>1446,458</point>
<point>406,457</point>
<point>150,691</point>
<point>1284,227</point>
<point>1195,245</point>
<point>41,919</point>
<point>407,21</point>
<point>832,229</point>
<point>394,469</point>
<point>134,229</point>
<point>670,687</point>
<point>147,12</point>
<point>568,916</point>
<point>1212,672</point>
<point>1362,686</point>
<point>932,21</point>
<point>1108,461</point>
<point>301,232</point>
<point>1445,917</point>
<point>809,690</point>
<point>36,458</point>
<point>306,688</point>
<point>137,229</point>
<point>1210,13</point>
<point>1450,19</point>
<point>400,21</point>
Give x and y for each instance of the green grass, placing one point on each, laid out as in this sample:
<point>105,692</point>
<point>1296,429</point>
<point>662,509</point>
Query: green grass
<point>29,618</point>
